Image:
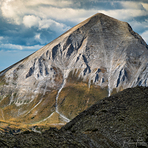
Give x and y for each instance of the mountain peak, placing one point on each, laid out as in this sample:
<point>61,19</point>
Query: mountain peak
<point>96,58</point>
<point>98,17</point>
<point>101,15</point>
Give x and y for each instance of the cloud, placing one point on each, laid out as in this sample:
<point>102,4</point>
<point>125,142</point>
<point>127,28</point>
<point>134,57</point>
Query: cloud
<point>139,26</point>
<point>53,25</point>
<point>16,11</point>
<point>57,3</point>
<point>30,11</point>
<point>67,14</point>
<point>37,36</point>
<point>145,36</point>
<point>125,14</point>
<point>132,5</point>
<point>30,20</point>
<point>145,5</point>
<point>1,38</point>
<point>18,47</point>
<point>34,21</point>
<point>11,10</point>
<point>34,11</point>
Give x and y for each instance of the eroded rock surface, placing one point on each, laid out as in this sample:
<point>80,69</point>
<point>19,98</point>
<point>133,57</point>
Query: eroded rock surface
<point>101,52</point>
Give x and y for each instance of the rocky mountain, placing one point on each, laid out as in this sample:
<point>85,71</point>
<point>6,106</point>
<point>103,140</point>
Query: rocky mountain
<point>118,121</point>
<point>94,59</point>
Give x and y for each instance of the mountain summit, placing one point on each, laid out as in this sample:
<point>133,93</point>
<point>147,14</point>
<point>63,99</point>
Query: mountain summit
<point>94,59</point>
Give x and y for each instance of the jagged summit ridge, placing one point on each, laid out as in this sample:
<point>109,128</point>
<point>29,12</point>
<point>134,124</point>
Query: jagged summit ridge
<point>101,51</point>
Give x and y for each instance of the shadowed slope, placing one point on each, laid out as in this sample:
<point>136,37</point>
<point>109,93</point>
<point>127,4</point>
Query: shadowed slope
<point>122,118</point>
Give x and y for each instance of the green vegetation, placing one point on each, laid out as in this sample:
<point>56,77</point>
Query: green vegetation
<point>75,98</point>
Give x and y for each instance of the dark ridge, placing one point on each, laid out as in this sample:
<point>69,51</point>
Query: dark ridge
<point>126,95</point>
<point>124,111</point>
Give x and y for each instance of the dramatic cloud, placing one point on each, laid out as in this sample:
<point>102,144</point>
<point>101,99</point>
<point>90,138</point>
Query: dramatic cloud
<point>124,14</point>
<point>41,10</point>
<point>145,5</point>
<point>30,20</point>
<point>132,5</point>
<point>57,3</point>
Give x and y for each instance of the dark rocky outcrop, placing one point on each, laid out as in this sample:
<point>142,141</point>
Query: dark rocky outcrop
<point>51,138</point>
<point>121,119</point>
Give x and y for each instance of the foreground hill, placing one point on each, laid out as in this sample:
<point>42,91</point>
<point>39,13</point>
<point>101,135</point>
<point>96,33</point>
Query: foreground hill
<point>94,59</point>
<point>118,121</point>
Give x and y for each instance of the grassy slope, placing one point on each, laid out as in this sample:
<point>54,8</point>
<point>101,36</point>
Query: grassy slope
<point>73,99</point>
<point>76,96</point>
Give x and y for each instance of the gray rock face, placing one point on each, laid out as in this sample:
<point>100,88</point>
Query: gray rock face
<point>102,51</point>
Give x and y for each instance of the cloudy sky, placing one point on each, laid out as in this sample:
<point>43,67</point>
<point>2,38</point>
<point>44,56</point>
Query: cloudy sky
<point>27,25</point>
